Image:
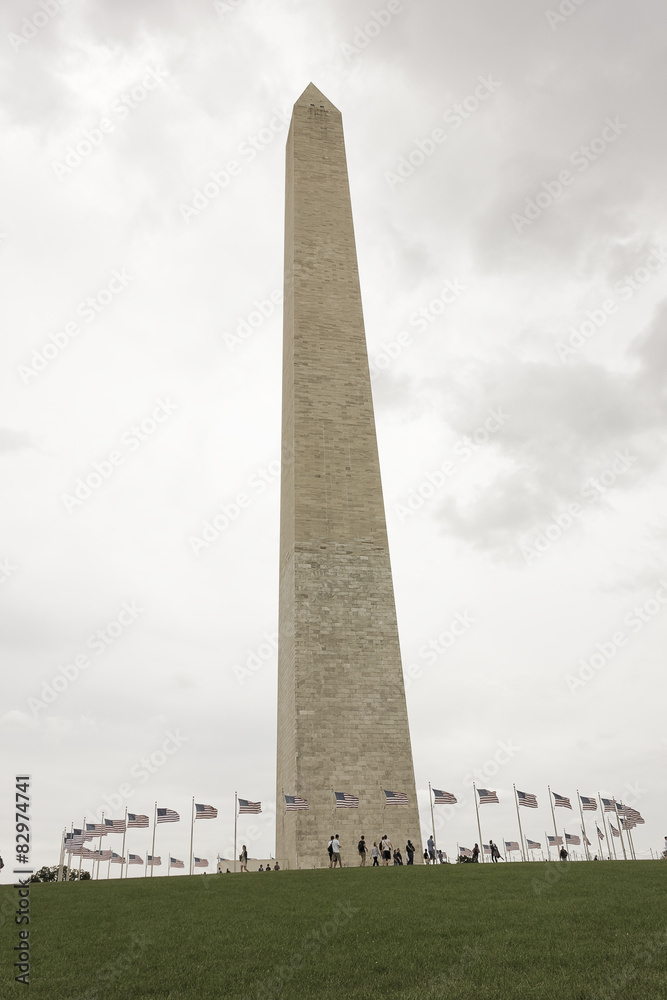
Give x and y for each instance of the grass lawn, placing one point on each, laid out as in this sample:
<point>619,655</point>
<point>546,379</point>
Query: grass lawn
<point>565,931</point>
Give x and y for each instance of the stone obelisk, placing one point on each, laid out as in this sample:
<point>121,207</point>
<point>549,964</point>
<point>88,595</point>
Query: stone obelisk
<point>342,717</point>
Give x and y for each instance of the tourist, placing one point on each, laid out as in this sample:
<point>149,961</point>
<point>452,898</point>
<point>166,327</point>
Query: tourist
<point>260,869</point>
<point>335,852</point>
<point>398,857</point>
<point>563,853</point>
<point>268,868</point>
<point>276,867</point>
<point>361,847</point>
<point>440,857</point>
<point>330,850</point>
<point>430,843</point>
<point>475,853</point>
<point>425,857</point>
<point>495,853</point>
<point>410,852</point>
<point>244,859</point>
<point>385,846</point>
<point>375,853</point>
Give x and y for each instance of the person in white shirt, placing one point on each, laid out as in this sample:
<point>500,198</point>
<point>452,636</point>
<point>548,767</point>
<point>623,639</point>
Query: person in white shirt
<point>375,854</point>
<point>335,852</point>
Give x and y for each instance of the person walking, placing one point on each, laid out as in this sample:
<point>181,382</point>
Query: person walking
<point>430,843</point>
<point>495,853</point>
<point>563,854</point>
<point>361,847</point>
<point>335,849</point>
<point>441,858</point>
<point>375,854</point>
<point>425,857</point>
<point>398,857</point>
<point>243,858</point>
<point>385,845</point>
<point>330,850</point>
<point>475,853</point>
<point>410,852</point>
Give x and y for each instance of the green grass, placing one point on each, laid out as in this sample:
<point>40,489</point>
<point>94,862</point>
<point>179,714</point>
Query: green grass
<point>564,930</point>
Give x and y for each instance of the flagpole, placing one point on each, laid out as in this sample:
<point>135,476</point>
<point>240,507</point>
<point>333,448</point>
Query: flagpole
<point>122,850</point>
<point>99,849</point>
<point>518,816</point>
<point>109,868</point>
<point>620,829</point>
<point>153,847</point>
<point>83,833</point>
<point>583,827</point>
<point>61,860</point>
<point>632,846</point>
<point>479,828</point>
<point>548,845</point>
<point>236,800</point>
<point>282,819</point>
<point>553,816</point>
<point>608,834</point>
<point>169,865</point>
<point>430,799</point>
<point>69,851</point>
<point>192,832</point>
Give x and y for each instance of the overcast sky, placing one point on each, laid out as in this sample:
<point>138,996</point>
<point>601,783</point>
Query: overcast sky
<point>507,178</point>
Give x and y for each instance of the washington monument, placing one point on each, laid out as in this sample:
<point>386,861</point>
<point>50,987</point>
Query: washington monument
<point>342,717</point>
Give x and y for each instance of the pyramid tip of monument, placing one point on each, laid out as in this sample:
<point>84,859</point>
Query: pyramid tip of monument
<point>312,95</point>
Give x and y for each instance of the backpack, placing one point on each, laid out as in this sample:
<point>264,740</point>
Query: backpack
<point>361,847</point>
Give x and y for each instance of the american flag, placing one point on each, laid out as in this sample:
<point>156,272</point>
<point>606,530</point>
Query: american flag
<point>97,829</point>
<point>465,851</point>
<point>167,816</point>
<point>443,798</point>
<point>201,863</point>
<point>571,838</point>
<point>247,808</point>
<point>627,824</point>
<point>101,855</point>
<point>395,798</point>
<point>116,859</point>
<point>205,812</point>
<point>293,803</point>
<point>621,809</point>
<point>561,800</point>
<point>527,799</point>
<point>486,797</point>
<point>115,825</point>
<point>175,863</point>
<point>614,831</point>
<point>600,833</point>
<point>533,845</point>
<point>486,848</point>
<point>633,815</point>
<point>134,859</point>
<point>511,845</point>
<point>345,801</point>
<point>609,805</point>
<point>136,821</point>
<point>554,841</point>
<point>75,839</point>
<point>583,834</point>
<point>84,852</point>
<point>588,804</point>
<point>153,860</point>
